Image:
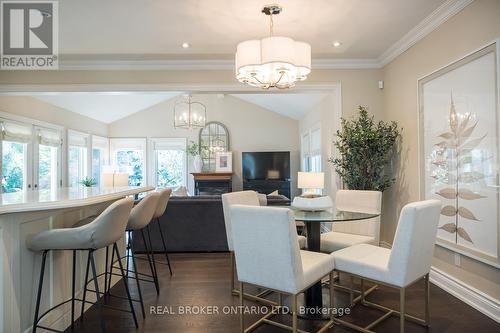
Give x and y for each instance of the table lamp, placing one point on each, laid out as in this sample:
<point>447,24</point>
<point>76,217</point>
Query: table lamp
<point>114,179</point>
<point>310,200</point>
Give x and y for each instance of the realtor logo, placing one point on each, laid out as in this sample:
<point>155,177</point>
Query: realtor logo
<point>29,32</point>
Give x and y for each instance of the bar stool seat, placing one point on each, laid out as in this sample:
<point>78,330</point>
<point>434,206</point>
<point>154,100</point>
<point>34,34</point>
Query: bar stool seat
<point>105,230</point>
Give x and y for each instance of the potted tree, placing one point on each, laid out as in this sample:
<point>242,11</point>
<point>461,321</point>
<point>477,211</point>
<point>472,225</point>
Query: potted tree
<point>365,150</point>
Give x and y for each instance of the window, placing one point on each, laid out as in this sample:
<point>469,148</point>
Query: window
<point>169,162</point>
<point>77,157</point>
<point>311,150</point>
<point>31,156</point>
<point>99,156</point>
<point>48,158</point>
<point>129,155</point>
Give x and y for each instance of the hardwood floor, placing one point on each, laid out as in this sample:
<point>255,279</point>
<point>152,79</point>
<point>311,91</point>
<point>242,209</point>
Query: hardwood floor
<point>203,280</point>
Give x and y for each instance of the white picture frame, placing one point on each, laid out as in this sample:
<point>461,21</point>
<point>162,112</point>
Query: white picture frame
<point>224,162</point>
<point>459,152</point>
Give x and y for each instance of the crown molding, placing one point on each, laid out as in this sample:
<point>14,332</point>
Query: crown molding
<point>179,64</point>
<point>426,26</point>
<point>442,14</point>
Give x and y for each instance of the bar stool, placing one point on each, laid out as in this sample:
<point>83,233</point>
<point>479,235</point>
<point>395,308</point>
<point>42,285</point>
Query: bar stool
<point>104,231</point>
<point>160,210</point>
<point>140,217</point>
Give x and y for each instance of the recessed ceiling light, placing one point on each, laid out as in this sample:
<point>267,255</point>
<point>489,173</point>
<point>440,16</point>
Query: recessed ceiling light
<point>337,44</point>
<point>185,45</point>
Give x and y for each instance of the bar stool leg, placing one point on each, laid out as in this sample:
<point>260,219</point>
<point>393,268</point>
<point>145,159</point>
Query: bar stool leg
<point>85,287</point>
<point>152,254</point>
<point>127,251</point>
<point>134,263</point>
<point>107,283</point>
<point>97,293</point>
<point>164,245</point>
<point>149,260</point>
<point>73,278</point>
<point>106,273</point>
<point>39,293</point>
<point>115,248</point>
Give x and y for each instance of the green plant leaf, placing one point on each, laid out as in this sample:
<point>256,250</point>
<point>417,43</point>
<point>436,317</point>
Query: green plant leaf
<point>447,135</point>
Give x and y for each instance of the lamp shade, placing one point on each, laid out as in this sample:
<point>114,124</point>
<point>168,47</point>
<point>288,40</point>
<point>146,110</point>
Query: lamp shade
<point>114,179</point>
<point>311,180</point>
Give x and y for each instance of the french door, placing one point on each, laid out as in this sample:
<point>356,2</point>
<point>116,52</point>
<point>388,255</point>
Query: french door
<point>30,157</point>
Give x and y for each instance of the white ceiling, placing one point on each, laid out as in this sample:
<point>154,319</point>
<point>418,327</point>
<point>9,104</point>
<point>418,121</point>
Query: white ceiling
<point>156,28</point>
<point>106,107</point>
<point>290,105</point>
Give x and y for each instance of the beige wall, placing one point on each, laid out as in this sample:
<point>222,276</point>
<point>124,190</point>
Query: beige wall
<point>33,108</point>
<point>476,25</point>
<point>251,128</point>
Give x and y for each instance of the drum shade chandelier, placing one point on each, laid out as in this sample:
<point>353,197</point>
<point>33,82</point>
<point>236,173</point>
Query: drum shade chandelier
<point>273,61</point>
<point>189,114</point>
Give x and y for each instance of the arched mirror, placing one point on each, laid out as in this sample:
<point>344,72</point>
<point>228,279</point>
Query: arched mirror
<point>214,137</point>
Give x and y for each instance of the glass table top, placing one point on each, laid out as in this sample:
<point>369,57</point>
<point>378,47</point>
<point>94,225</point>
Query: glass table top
<point>330,215</point>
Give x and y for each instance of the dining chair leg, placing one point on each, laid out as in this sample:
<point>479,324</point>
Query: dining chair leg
<point>362,289</point>
<point>242,321</point>
<point>402,310</point>
<point>427,296</point>
<point>294,314</point>
<point>351,292</point>
<point>233,264</point>
<point>332,297</point>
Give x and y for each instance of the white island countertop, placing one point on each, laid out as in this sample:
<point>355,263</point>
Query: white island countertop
<point>65,197</point>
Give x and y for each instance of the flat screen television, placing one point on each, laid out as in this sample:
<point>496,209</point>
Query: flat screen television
<point>273,165</point>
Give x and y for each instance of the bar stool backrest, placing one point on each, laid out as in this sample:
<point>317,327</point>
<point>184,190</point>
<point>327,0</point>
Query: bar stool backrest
<point>109,226</point>
<point>142,214</point>
<point>162,202</point>
<point>266,248</point>
<point>413,247</point>
<point>249,198</point>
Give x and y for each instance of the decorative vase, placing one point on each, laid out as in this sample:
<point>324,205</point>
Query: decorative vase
<point>197,163</point>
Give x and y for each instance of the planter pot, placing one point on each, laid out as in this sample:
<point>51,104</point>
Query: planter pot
<point>197,163</point>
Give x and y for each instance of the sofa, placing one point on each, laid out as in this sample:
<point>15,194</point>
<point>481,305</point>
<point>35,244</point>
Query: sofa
<point>194,224</point>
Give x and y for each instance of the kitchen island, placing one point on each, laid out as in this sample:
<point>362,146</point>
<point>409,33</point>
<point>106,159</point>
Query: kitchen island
<point>24,214</point>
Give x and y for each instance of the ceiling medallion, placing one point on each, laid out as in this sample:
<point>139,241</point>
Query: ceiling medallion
<point>189,114</point>
<point>273,61</point>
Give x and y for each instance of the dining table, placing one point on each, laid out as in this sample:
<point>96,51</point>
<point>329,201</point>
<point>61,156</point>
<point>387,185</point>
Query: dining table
<point>313,298</point>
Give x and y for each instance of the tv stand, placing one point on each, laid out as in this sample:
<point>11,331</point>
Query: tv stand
<point>267,186</point>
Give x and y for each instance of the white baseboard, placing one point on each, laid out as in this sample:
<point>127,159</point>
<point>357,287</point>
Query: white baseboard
<point>484,303</point>
<point>466,293</point>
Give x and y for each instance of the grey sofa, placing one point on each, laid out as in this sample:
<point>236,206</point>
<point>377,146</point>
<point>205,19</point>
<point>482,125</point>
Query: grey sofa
<point>194,224</point>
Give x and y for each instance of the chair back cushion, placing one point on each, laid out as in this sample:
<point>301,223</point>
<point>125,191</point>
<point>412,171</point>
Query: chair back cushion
<point>413,246</point>
<point>142,214</point>
<point>162,202</point>
<point>359,201</point>
<point>109,226</point>
<point>266,248</point>
<point>248,198</point>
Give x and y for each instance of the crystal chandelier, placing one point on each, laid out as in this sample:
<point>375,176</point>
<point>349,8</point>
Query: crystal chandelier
<point>189,114</point>
<point>273,61</point>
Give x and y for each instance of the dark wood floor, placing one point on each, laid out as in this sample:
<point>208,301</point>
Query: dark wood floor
<point>203,279</point>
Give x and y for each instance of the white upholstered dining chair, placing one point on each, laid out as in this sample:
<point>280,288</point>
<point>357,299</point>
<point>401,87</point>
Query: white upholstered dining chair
<point>267,255</point>
<point>345,234</point>
<point>248,198</point>
<point>408,261</point>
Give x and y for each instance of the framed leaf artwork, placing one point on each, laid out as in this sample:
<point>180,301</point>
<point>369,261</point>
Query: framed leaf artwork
<point>459,152</point>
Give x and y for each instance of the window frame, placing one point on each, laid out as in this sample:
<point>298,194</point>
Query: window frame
<point>173,142</point>
<point>121,144</point>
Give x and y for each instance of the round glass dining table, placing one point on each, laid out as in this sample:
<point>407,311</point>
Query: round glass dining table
<point>313,301</point>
